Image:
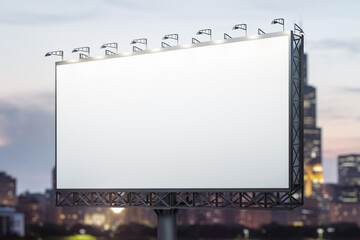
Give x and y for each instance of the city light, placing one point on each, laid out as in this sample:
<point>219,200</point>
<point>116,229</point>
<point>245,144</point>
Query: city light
<point>246,233</point>
<point>317,168</point>
<point>320,232</point>
<point>117,210</point>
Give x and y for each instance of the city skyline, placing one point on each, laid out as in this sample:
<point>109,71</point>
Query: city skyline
<point>27,78</point>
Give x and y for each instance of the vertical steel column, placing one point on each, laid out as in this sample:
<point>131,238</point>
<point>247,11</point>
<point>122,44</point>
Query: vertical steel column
<point>166,218</point>
<point>166,224</point>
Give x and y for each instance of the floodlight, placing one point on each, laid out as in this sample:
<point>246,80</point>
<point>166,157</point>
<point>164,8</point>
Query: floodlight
<point>241,26</point>
<point>56,53</point>
<point>140,41</point>
<point>82,49</point>
<point>279,21</point>
<point>298,29</point>
<point>110,45</point>
<point>173,36</point>
<point>260,32</point>
<point>227,36</point>
<point>206,32</point>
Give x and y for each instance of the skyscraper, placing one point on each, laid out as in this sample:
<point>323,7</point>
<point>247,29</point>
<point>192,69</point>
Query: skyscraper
<point>7,190</point>
<point>312,138</point>
<point>349,170</point>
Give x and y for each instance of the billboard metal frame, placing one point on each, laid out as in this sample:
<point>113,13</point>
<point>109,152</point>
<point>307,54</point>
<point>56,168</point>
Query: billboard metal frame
<point>215,198</point>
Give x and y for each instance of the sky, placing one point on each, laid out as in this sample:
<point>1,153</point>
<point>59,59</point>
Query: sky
<point>29,29</point>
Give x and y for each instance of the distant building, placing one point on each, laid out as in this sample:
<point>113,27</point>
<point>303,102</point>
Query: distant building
<point>70,216</point>
<point>307,215</point>
<point>11,222</point>
<point>312,139</point>
<point>254,218</point>
<point>344,194</point>
<point>343,203</point>
<point>207,216</point>
<point>345,213</point>
<point>7,190</point>
<point>248,218</point>
<point>33,205</point>
<point>52,211</point>
<point>349,170</point>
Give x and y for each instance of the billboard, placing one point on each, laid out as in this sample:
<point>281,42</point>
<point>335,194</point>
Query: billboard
<point>201,117</point>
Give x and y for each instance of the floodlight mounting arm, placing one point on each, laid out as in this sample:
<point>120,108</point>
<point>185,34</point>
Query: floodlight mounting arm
<point>298,29</point>
<point>108,52</point>
<point>164,45</point>
<point>194,41</point>
<point>260,32</point>
<point>227,36</point>
<point>137,49</point>
<point>82,56</point>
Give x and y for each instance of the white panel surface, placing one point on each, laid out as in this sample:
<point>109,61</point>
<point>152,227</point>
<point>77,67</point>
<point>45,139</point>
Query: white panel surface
<point>211,117</point>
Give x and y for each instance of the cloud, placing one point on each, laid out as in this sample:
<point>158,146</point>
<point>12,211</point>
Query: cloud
<point>352,90</point>
<point>3,141</point>
<point>336,115</point>
<point>352,46</point>
<point>125,4</point>
<point>41,12</point>
<point>41,101</point>
<point>28,141</point>
<point>44,18</point>
<point>23,118</point>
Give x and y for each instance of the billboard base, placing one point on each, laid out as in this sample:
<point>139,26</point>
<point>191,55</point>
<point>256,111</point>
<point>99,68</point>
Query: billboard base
<point>166,224</point>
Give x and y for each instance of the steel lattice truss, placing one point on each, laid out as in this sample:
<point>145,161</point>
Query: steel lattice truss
<point>224,199</point>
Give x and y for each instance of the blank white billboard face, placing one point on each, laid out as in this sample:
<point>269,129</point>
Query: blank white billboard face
<point>209,117</point>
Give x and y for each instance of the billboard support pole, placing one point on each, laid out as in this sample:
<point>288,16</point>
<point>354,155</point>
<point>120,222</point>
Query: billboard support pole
<point>166,224</point>
<point>166,217</point>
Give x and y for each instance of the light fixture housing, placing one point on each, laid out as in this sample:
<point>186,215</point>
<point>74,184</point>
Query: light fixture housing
<point>56,53</point>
